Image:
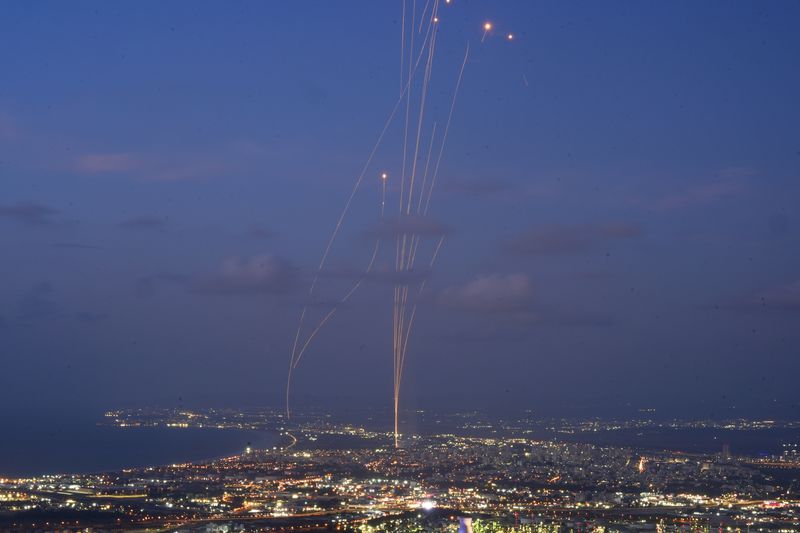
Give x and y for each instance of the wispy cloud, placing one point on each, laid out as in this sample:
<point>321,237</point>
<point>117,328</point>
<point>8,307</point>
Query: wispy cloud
<point>781,298</point>
<point>262,274</point>
<point>421,225</point>
<point>510,299</point>
<point>108,163</point>
<point>151,167</point>
<point>380,272</point>
<point>29,213</point>
<point>495,293</point>
<point>700,194</point>
<point>728,182</point>
<point>561,239</point>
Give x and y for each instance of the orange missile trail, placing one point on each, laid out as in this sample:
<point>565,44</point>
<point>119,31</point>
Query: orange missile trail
<point>298,348</point>
<point>415,185</point>
<point>354,288</point>
<point>403,320</point>
<point>446,130</point>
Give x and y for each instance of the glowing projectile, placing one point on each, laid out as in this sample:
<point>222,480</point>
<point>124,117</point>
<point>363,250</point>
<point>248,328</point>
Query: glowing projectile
<point>487,26</point>
<point>510,37</point>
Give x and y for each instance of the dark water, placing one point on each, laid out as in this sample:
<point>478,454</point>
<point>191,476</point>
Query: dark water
<point>76,446</point>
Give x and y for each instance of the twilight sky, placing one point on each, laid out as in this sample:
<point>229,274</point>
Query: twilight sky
<point>619,198</point>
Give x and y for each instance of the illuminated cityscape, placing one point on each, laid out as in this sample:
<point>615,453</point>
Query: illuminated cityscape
<point>325,475</point>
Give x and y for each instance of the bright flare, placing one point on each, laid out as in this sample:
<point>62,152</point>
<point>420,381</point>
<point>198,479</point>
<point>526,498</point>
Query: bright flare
<point>487,26</point>
<point>510,36</point>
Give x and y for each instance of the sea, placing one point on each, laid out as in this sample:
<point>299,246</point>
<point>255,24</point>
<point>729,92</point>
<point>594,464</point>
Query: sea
<point>30,447</point>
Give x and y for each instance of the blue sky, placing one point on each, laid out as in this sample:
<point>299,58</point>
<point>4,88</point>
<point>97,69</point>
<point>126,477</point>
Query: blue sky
<point>619,186</point>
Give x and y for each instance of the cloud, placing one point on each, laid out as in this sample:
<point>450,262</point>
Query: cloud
<point>262,274</point>
<point>420,225</point>
<point>701,194</point>
<point>144,222</point>
<point>107,163</point>
<point>380,273</point>
<point>728,182</point>
<point>560,239</point>
<point>153,167</point>
<point>495,293</point>
<point>782,298</point>
<point>29,213</point>
<point>510,298</point>
<point>393,277</point>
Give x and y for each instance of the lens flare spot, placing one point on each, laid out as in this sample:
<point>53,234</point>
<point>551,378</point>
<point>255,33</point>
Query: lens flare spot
<point>427,505</point>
